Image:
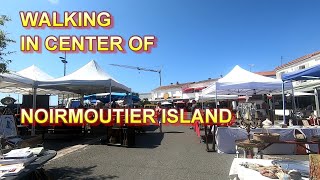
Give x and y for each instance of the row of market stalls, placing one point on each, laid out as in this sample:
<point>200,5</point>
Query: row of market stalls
<point>26,162</point>
<point>241,82</point>
<point>253,140</point>
<point>89,79</point>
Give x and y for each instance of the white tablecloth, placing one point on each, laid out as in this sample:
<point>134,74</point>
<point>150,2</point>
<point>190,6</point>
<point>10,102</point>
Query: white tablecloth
<point>226,137</point>
<point>238,172</point>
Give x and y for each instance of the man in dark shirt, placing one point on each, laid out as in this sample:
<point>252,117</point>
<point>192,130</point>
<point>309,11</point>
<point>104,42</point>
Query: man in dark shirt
<point>193,108</point>
<point>113,104</point>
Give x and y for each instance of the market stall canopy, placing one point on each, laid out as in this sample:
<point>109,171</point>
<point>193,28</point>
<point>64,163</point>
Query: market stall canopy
<point>36,74</point>
<point>219,97</point>
<point>12,82</point>
<point>89,79</point>
<point>312,73</point>
<point>240,82</point>
<point>210,90</point>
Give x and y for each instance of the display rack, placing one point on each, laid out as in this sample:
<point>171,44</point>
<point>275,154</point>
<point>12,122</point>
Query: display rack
<point>123,136</point>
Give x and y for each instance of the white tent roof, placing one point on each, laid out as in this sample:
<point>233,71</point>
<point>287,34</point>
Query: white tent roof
<point>240,81</point>
<point>34,73</point>
<point>219,97</point>
<point>11,82</point>
<point>89,79</point>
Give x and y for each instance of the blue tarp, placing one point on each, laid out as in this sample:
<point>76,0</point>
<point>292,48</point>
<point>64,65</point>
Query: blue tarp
<point>311,73</point>
<point>105,98</point>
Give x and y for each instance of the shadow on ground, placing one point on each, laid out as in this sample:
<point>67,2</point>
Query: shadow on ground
<point>64,140</point>
<point>74,173</point>
<point>149,140</point>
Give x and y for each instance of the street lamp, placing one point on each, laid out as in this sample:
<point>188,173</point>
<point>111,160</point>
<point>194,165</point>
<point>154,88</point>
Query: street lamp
<point>64,61</point>
<point>251,65</point>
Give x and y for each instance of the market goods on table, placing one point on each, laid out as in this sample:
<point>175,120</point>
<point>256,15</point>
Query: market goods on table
<point>274,171</point>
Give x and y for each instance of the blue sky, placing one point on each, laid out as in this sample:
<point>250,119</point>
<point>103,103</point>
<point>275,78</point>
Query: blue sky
<point>196,39</point>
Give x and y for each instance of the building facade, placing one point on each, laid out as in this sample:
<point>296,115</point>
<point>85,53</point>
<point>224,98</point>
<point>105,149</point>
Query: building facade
<point>303,62</point>
<point>190,90</point>
<point>147,96</point>
<point>180,91</point>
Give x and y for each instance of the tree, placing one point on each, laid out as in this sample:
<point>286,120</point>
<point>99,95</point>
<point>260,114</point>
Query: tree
<point>4,42</point>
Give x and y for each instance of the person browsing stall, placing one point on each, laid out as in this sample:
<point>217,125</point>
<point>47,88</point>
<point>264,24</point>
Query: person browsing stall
<point>159,111</point>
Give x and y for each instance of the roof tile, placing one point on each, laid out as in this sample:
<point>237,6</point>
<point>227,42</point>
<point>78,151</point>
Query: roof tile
<point>300,59</point>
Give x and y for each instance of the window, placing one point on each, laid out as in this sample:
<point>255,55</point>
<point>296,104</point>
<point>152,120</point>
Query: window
<point>302,67</point>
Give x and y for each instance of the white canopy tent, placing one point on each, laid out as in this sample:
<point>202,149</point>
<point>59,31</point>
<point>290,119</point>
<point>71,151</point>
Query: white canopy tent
<point>34,73</point>
<point>37,75</point>
<point>89,79</point>
<point>242,82</point>
<point>220,97</point>
<point>9,82</point>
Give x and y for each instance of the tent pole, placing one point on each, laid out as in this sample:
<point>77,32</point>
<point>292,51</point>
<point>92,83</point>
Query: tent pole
<point>201,102</point>
<point>216,98</point>
<point>317,101</point>
<point>293,105</point>
<point>131,101</point>
<point>34,106</point>
<point>283,104</point>
<point>214,126</point>
<point>110,94</point>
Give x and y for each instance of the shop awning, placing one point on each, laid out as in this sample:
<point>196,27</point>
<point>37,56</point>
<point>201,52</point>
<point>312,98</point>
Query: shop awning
<point>312,73</point>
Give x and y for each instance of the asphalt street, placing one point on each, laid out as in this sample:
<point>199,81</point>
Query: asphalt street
<point>174,154</point>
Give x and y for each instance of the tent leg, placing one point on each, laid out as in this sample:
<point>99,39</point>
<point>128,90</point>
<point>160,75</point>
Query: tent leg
<point>293,106</point>
<point>317,102</point>
<point>131,100</point>
<point>214,127</point>
<point>283,105</point>
<point>34,106</point>
<point>110,94</point>
<point>202,106</point>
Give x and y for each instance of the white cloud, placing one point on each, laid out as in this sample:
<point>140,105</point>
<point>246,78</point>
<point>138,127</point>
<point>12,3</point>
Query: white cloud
<point>54,1</point>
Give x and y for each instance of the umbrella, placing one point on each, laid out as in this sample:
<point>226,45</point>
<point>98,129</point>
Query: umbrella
<point>180,102</point>
<point>165,103</point>
<point>7,100</point>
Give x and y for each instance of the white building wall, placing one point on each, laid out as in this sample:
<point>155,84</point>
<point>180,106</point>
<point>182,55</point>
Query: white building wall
<point>315,60</point>
<point>172,93</point>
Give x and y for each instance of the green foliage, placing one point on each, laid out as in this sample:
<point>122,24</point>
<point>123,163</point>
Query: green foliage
<point>4,42</point>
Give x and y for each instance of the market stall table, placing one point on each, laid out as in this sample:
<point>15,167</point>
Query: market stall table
<point>299,143</point>
<point>238,172</point>
<point>226,139</point>
<point>33,166</point>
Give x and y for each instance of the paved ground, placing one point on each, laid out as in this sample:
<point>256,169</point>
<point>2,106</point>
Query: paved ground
<point>174,154</point>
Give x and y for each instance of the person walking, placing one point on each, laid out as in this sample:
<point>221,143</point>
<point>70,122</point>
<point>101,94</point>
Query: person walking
<point>193,108</point>
<point>159,114</point>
